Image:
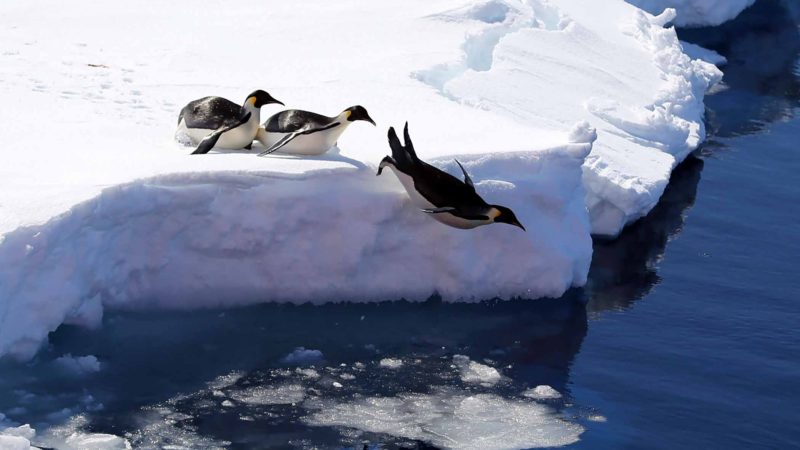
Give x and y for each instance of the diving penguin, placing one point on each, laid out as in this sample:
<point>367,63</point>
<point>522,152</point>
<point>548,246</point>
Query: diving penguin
<point>218,122</point>
<point>443,196</point>
<point>306,133</point>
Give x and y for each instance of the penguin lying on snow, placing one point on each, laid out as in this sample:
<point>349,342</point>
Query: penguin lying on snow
<point>443,196</point>
<point>306,133</point>
<point>216,121</point>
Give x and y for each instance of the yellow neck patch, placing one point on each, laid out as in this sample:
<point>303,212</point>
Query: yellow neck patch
<point>494,213</point>
<point>251,100</point>
<point>347,114</point>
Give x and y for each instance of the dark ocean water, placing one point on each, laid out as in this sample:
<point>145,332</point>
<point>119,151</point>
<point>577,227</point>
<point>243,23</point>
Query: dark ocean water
<point>687,336</point>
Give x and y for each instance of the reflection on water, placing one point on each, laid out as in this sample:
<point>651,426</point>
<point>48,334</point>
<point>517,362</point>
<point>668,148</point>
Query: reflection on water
<point>625,269</point>
<point>762,47</point>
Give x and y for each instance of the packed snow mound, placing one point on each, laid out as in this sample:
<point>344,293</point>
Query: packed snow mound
<point>697,12</point>
<point>552,106</point>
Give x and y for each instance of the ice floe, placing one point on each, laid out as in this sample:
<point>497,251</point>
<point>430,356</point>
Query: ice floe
<point>571,113</point>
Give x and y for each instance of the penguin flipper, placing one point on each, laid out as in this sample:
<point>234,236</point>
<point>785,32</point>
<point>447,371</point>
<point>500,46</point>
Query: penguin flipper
<point>467,179</point>
<point>248,146</point>
<point>443,209</point>
<point>288,138</point>
<point>210,141</point>
<point>281,142</point>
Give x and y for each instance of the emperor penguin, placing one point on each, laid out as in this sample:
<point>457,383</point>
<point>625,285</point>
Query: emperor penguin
<point>443,196</point>
<point>300,132</point>
<point>218,122</point>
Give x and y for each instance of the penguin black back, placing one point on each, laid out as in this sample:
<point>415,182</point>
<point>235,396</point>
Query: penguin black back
<point>293,120</point>
<point>437,186</point>
<point>210,113</point>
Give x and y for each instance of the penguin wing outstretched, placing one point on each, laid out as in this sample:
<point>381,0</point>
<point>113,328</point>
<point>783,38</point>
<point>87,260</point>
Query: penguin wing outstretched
<point>210,141</point>
<point>467,179</point>
<point>288,138</point>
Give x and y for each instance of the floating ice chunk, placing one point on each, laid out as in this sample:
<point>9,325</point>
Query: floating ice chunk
<point>475,372</point>
<point>14,443</point>
<point>78,365</point>
<point>308,373</point>
<point>452,419</point>
<point>596,418</point>
<point>23,431</point>
<point>391,363</point>
<point>542,392</point>
<point>302,357</point>
<point>281,395</point>
<point>96,441</point>
<point>224,381</point>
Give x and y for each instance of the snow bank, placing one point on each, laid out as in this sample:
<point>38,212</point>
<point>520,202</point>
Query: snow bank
<point>104,210</point>
<point>697,12</point>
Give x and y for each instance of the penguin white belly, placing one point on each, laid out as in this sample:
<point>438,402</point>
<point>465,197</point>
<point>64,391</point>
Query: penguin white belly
<point>305,144</point>
<point>422,203</point>
<point>236,138</point>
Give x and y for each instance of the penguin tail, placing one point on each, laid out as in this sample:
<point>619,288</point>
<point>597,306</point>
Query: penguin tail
<point>404,156</point>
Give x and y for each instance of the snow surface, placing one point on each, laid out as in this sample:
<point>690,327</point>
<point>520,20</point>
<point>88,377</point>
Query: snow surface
<point>552,106</point>
<point>697,12</point>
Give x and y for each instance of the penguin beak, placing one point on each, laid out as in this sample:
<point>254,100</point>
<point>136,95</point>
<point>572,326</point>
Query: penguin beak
<point>369,119</point>
<point>517,224</point>
<point>273,100</point>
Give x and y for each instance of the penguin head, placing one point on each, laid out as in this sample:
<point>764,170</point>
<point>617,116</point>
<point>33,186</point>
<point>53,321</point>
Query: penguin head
<point>260,98</point>
<point>505,215</point>
<point>357,112</point>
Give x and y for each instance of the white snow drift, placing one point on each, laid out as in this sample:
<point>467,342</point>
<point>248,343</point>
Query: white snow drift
<point>552,106</point>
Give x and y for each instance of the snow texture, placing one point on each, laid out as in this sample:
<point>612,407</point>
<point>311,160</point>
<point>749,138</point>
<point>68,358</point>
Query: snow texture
<point>697,12</point>
<point>570,113</point>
